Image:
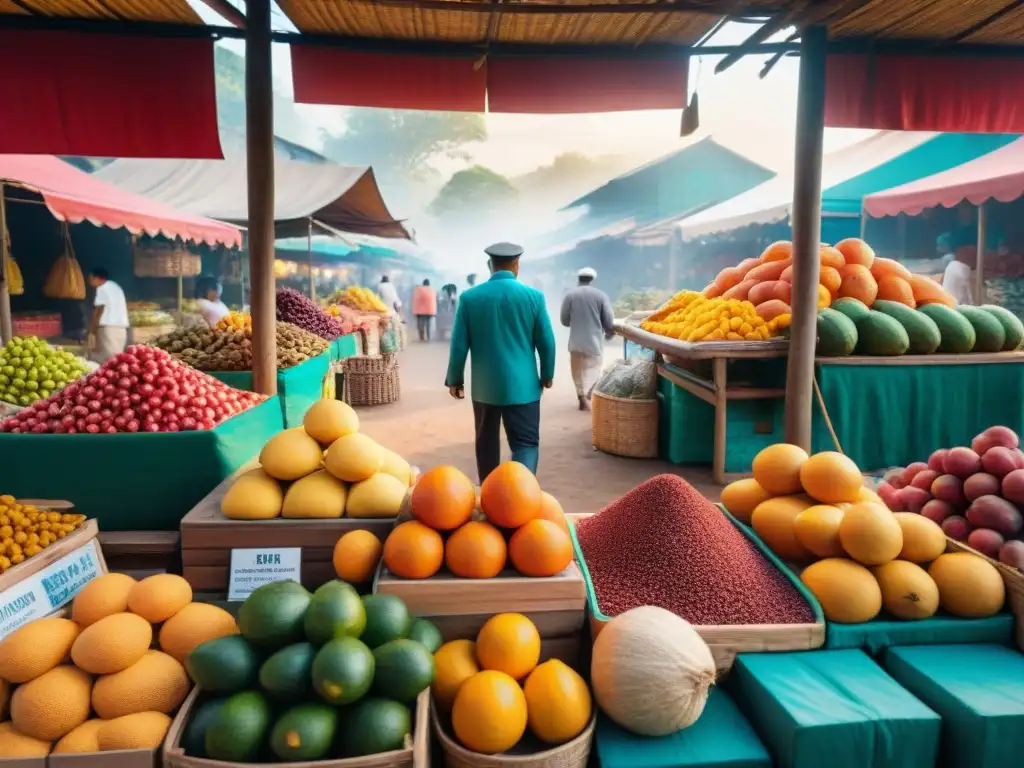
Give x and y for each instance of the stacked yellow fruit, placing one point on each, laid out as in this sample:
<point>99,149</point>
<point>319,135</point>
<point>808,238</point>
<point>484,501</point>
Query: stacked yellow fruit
<point>689,316</point>
<point>363,299</point>
<point>110,677</point>
<point>235,321</point>
<point>27,531</point>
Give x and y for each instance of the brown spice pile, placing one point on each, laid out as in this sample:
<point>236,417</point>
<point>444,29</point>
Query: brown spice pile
<point>664,544</point>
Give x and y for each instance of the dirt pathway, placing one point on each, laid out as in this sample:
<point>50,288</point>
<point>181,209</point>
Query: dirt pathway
<point>428,427</point>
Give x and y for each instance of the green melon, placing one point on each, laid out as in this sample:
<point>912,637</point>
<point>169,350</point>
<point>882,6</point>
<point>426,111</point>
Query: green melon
<point>852,308</point>
<point>957,333</point>
<point>921,330</point>
<point>988,330</point>
<point>1012,326</point>
<point>837,334</point>
<point>882,336</point>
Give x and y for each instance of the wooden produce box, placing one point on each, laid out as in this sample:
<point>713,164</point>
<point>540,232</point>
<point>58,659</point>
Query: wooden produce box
<point>122,758</point>
<point>207,538</point>
<point>45,584</point>
<point>416,753</point>
<point>460,607</point>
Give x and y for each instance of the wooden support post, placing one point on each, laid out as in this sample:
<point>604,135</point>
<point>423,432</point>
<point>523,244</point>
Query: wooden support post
<point>6,327</point>
<point>309,260</point>
<point>979,262</point>
<point>806,223</point>
<point>259,124</point>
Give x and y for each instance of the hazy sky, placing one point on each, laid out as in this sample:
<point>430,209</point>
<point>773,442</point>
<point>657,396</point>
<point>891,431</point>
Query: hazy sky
<point>753,116</point>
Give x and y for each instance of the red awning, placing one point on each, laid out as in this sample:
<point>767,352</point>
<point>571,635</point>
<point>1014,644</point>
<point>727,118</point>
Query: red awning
<point>999,175</point>
<point>75,196</point>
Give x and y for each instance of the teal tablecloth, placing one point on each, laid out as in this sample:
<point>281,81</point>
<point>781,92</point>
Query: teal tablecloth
<point>297,387</point>
<point>889,416</point>
<point>134,482</point>
<point>345,346</point>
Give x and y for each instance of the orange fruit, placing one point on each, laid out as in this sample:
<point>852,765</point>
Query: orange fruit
<point>454,664</point>
<point>777,251</point>
<point>509,643</point>
<point>830,278</point>
<point>540,548</point>
<point>476,551</point>
<point>443,498</point>
<point>831,257</point>
<point>858,283</point>
<point>558,702</point>
<point>856,251</point>
<point>489,715</point>
<point>777,468</point>
<point>510,496</point>
<point>413,551</point>
<point>895,288</point>
<point>551,510</point>
<point>356,556</point>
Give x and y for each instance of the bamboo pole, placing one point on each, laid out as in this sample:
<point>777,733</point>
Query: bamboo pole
<point>979,265</point>
<point>806,222</point>
<point>6,326</point>
<point>309,259</point>
<point>259,120</point>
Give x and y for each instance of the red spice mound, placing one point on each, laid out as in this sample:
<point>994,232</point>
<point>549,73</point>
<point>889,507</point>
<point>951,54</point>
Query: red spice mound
<point>664,544</point>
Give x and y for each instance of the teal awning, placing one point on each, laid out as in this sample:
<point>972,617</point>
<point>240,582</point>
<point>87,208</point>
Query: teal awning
<point>361,250</point>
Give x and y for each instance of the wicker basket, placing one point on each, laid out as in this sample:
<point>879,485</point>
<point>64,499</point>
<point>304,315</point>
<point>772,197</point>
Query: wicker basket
<point>378,387</point>
<point>624,427</point>
<point>1012,579</point>
<point>573,754</point>
<point>369,363</point>
<point>165,263</point>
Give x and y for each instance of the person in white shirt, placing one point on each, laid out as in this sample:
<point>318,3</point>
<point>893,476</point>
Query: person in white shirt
<point>208,292</point>
<point>958,279</point>
<point>389,295</point>
<point>108,326</point>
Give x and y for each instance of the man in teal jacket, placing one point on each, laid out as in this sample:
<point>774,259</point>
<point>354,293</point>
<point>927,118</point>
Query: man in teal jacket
<point>504,326</point>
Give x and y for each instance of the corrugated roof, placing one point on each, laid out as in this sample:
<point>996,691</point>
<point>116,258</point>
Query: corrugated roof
<point>162,11</point>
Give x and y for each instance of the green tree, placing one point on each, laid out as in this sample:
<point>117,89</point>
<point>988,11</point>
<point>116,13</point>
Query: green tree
<point>402,144</point>
<point>473,189</point>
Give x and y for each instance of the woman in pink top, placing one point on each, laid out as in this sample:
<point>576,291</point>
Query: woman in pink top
<point>424,306</point>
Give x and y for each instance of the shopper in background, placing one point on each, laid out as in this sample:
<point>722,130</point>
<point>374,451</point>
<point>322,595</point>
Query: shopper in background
<point>389,295</point>
<point>108,326</point>
<point>211,307</point>
<point>446,305</point>
<point>587,313</point>
<point>503,327</point>
<point>424,306</point>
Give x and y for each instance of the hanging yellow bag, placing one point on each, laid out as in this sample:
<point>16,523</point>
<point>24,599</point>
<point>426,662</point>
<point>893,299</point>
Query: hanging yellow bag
<point>65,280</point>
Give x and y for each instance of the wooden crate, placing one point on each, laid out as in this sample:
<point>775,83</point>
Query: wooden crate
<point>207,538</point>
<point>416,753</point>
<point>34,604</point>
<point>460,607</point>
<point>122,758</point>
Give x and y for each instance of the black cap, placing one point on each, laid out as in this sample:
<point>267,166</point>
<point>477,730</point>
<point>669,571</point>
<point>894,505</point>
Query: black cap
<point>504,251</point>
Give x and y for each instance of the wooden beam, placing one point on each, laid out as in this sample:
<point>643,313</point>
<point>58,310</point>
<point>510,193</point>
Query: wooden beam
<point>806,224</point>
<point>231,14</point>
<point>710,7</point>
<point>259,129</point>
<point>6,333</point>
<point>979,26</point>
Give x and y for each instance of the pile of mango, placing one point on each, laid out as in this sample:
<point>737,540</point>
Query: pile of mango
<point>690,316</point>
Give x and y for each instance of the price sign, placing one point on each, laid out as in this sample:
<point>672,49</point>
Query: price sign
<point>48,590</point>
<point>252,568</point>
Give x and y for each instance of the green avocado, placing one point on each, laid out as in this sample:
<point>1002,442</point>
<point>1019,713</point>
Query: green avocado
<point>272,616</point>
<point>193,741</point>
<point>343,670</point>
<point>224,665</point>
<point>285,676</point>
<point>373,726</point>
<point>335,610</point>
<point>402,668</point>
<point>304,733</point>
<point>387,619</point>
<point>239,728</point>
<point>423,631</point>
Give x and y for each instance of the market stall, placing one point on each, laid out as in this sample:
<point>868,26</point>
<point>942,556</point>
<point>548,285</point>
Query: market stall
<point>888,342</point>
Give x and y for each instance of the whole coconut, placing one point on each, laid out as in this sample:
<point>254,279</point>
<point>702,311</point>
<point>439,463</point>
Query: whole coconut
<point>962,462</point>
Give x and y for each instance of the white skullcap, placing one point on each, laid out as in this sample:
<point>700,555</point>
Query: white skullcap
<point>587,272</point>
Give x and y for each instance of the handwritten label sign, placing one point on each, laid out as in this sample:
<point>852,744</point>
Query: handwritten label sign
<point>252,568</point>
<point>48,590</point>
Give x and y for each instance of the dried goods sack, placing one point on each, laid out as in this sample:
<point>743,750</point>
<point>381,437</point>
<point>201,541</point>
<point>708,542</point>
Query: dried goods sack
<point>722,737</point>
<point>978,690</point>
<point>833,708</point>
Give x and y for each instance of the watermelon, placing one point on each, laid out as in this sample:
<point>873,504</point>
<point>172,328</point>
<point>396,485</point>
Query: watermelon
<point>957,333</point>
<point>1012,326</point>
<point>837,334</point>
<point>921,330</point>
<point>988,331</point>
<point>881,335</point>
<point>855,309</point>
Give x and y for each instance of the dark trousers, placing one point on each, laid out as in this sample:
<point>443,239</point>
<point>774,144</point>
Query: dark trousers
<point>423,326</point>
<point>522,428</point>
